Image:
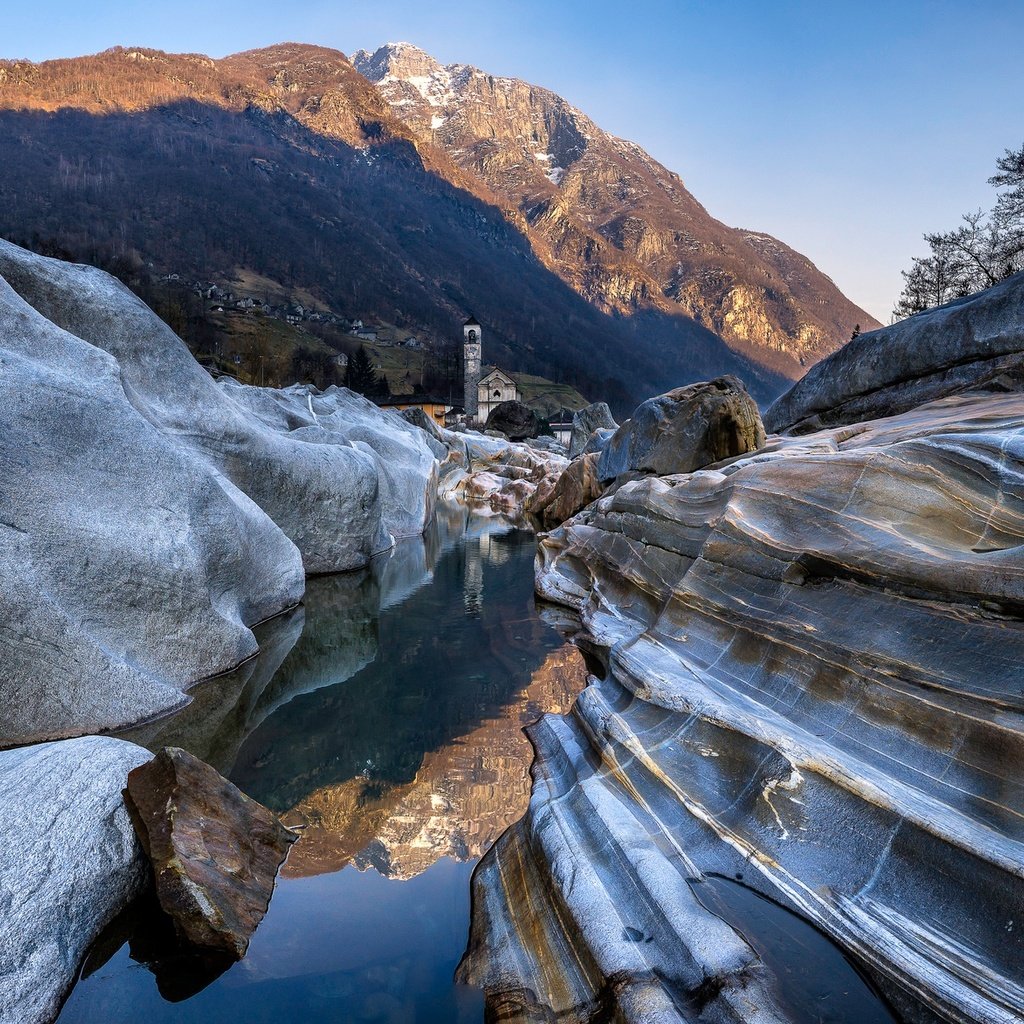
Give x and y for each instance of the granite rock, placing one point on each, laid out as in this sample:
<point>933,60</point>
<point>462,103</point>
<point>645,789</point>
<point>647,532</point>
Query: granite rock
<point>974,343</point>
<point>574,489</point>
<point>813,682</point>
<point>685,430</point>
<point>585,422</point>
<point>215,852</point>
<point>513,419</point>
<point>68,865</point>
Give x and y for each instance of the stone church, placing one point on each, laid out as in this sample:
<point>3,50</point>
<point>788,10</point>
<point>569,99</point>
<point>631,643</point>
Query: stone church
<point>483,393</point>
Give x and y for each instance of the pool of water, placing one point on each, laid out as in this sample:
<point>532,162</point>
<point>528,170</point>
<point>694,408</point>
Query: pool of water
<point>384,717</point>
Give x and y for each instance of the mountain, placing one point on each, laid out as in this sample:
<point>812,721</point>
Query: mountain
<point>286,170</point>
<point>615,224</point>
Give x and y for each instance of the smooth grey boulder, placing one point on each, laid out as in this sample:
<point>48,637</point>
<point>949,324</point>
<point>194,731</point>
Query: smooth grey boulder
<point>69,864</point>
<point>684,430</point>
<point>513,419</point>
<point>975,343</point>
<point>322,495</point>
<point>130,568</point>
<point>585,422</point>
<point>401,455</point>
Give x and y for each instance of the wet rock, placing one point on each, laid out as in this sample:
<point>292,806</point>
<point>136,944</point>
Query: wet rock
<point>814,681</point>
<point>576,488</point>
<point>69,864</point>
<point>970,344</point>
<point>214,851</point>
<point>585,422</point>
<point>515,420</point>
<point>685,430</point>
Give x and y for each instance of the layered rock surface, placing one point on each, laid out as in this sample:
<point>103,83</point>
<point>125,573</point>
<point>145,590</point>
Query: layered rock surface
<point>974,343</point>
<point>814,683</point>
<point>68,864</point>
<point>151,517</point>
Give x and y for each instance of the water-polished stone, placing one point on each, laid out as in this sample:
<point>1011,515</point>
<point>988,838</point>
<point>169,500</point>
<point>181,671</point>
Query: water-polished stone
<point>814,683</point>
<point>215,852</point>
<point>684,430</point>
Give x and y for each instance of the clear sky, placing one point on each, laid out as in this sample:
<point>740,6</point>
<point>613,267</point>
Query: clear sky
<point>846,129</point>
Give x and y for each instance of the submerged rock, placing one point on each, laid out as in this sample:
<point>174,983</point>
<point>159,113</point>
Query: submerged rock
<point>586,422</point>
<point>814,683</point>
<point>215,852</point>
<point>513,419</point>
<point>69,863</point>
<point>970,344</point>
<point>685,430</point>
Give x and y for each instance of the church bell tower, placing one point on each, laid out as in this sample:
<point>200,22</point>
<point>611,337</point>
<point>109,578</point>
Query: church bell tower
<point>471,354</point>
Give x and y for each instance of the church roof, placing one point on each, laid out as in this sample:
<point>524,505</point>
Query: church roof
<point>495,371</point>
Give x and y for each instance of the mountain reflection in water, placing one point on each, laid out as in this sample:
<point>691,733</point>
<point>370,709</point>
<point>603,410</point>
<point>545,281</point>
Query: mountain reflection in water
<point>385,716</point>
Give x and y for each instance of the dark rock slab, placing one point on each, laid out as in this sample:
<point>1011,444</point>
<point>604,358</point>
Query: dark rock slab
<point>215,852</point>
<point>515,420</point>
<point>594,417</point>
<point>976,343</point>
<point>684,430</point>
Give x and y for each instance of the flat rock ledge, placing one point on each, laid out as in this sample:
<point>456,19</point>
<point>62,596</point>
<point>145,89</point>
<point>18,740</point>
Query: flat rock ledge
<point>69,863</point>
<point>814,682</point>
<point>215,852</point>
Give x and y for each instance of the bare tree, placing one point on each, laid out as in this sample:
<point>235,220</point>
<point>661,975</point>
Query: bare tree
<point>983,250</point>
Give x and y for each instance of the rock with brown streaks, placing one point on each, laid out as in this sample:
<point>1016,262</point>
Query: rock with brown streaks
<point>814,683</point>
<point>215,852</point>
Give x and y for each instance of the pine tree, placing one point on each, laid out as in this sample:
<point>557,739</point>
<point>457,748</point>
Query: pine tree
<point>359,375</point>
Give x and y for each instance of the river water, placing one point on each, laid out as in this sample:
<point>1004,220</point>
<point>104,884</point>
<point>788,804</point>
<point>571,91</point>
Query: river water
<point>385,716</point>
<point>384,719</point>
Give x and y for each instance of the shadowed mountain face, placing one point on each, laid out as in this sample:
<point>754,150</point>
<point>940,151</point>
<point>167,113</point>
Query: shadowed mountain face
<point>615,224</point>
<point>287,165</point>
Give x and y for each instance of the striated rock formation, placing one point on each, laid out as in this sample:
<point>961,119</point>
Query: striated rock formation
<point>214,851</point>
<point>505,475</point>
<point>684,430</point>
<point>69,863</point>
<point>976,343</point>
<point>814,684</point>
<point>150,516</point>
<point>586,422</point>
<point>576,488</point>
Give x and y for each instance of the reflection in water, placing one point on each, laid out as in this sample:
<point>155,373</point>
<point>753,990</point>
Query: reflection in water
<point>385,716</point>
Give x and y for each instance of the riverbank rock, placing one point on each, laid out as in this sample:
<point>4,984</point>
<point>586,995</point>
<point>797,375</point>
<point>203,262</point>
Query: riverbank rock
<point>513,419</point>
<point>685,430</point>
<point>134,498</point>
<point>503,475</point>
<point>574,489</point>
<point>69,863</point>
<point>584,424</point>
<point>814,683</point>
<point>215,852</point>
<point>975,343</point>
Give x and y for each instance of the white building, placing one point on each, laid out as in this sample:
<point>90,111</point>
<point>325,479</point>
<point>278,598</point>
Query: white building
<point>493,389</point>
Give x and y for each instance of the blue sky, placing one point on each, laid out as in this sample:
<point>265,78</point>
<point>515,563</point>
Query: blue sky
<point>845,129</point>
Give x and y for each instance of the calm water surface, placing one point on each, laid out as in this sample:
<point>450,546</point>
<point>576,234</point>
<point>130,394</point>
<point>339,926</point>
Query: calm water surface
<point>385,717</point>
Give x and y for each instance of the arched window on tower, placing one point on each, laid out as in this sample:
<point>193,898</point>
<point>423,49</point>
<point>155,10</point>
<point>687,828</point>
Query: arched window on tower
<point>472,335</point>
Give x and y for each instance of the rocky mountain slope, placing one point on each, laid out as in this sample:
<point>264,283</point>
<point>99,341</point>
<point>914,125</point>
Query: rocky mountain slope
<point>285,165</point>
<point>611,221</point>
